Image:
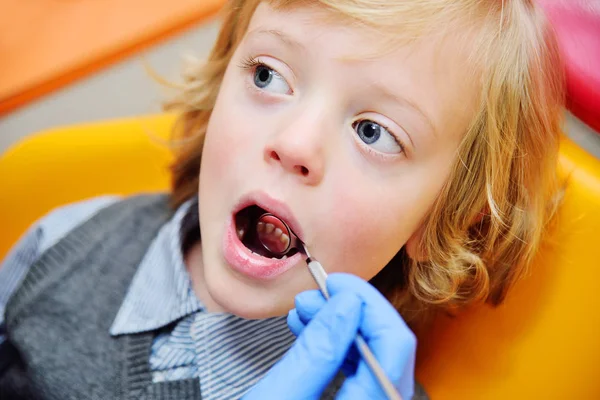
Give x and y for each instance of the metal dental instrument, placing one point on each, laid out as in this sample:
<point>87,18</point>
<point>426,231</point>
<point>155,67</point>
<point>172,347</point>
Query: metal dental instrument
<point>282,247</point>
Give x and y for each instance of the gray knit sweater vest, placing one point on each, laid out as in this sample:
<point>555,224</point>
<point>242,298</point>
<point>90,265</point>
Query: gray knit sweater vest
<point>59,318</point>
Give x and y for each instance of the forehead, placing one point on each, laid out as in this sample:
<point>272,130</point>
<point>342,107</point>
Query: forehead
<point>431,70</point>
<point>314,26</point>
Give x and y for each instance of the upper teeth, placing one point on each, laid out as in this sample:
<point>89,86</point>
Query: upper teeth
<point>285,239</point>
<point>270,229</point>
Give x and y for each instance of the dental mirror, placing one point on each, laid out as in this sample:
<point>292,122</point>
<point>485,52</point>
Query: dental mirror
<point>276,236</point>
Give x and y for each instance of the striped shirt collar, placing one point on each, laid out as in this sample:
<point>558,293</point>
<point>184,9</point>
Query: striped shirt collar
<point>161,290</point>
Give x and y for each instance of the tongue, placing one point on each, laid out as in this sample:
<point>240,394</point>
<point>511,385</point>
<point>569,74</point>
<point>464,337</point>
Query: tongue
<point>270,236</point>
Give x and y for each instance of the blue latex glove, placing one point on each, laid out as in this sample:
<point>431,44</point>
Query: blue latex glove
<point>326,331</point>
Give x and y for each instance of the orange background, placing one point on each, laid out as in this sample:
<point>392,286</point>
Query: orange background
<point>47,44</point>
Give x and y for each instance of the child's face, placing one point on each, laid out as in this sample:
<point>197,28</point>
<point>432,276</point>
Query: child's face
<point>317,119</point>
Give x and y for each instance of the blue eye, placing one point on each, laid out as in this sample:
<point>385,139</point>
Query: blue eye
<point>376,136</point>
<point>369,131</point>
<point>263,76</point>
<point>270,80</point>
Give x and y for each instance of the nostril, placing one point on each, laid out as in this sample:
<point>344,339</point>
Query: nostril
<point>288,162</point>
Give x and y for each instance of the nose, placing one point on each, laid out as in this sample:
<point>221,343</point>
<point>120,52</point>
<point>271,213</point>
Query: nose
<point>299,150</point>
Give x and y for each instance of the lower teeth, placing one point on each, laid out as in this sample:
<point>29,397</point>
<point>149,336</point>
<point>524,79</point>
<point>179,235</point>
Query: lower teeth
<point>261,255</point>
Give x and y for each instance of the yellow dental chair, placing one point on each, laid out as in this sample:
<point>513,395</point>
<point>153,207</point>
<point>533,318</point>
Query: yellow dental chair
<point>542,343</point>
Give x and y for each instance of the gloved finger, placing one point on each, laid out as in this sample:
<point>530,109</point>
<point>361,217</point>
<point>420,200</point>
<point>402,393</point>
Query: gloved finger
<point>316,356</point>
<point>379,312</point>
<point>294,322</point>
<point>308,304</point>
<point>390,339</point>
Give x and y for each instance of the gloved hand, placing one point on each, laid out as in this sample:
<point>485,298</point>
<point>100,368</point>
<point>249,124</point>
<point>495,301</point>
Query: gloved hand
<point>326,331</point>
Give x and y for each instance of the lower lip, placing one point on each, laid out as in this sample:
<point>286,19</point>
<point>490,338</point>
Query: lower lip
<point>253,265</point>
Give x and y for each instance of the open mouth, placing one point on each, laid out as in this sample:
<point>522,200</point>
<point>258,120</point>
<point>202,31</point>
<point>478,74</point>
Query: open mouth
<point>250,232</point>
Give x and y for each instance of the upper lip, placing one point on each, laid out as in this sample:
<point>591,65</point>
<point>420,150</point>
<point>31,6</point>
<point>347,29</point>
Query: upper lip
<point>273,206</point>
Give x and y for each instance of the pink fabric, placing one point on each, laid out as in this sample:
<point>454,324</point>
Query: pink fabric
<point>577,23</point>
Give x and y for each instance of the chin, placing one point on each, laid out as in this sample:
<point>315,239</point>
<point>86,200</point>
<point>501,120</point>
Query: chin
<point>234,296</point>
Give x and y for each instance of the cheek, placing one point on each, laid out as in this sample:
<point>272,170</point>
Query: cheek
<point>227,138</point>
<point>369,226</point>
<point>371,219</point>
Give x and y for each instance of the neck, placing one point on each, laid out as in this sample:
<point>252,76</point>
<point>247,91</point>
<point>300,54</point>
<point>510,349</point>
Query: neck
<point>195,267</point>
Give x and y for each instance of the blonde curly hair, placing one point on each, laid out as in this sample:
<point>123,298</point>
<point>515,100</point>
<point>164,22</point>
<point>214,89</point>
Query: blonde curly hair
<point>490,216</point>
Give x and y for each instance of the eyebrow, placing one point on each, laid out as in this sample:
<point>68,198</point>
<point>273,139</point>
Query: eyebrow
<point>386,93</point>
<point>283,37</point>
